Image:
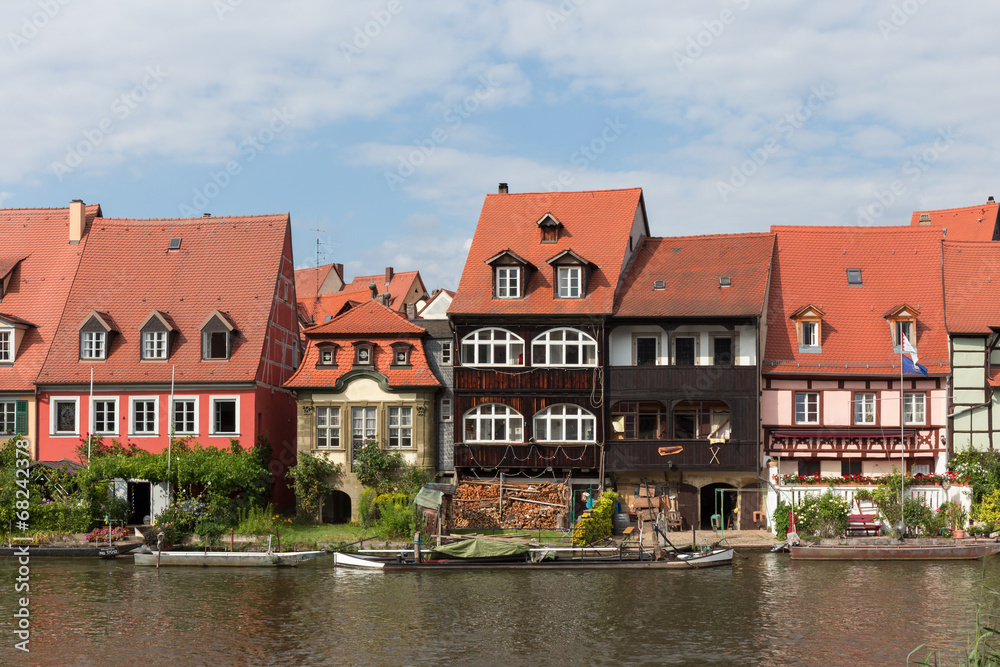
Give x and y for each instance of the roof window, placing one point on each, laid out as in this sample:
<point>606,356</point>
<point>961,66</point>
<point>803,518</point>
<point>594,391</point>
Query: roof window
<point>854,277</point>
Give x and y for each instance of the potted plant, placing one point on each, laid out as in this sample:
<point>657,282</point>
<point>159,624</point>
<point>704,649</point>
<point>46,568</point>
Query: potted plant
<point>957,517</point>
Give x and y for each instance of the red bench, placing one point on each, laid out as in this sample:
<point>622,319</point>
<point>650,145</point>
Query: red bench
<point>862,523</point>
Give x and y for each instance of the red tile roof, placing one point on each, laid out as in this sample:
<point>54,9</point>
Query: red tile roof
<point>971,223</point>
<point>39,239</point>
<point>690,268</point>
<point>372,322</point>
<point>898,265</point>
<point>229,264</point>
<point>308,281</point>
<point>971,298</point>
<point>596,226</point>
<point>400,286</point>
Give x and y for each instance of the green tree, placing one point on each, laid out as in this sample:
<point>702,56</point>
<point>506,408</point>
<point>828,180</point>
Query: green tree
<point>313,477</point>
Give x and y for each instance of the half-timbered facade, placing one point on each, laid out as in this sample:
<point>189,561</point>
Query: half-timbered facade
<point>684,372</point>
<point>833,402</point>
<point>530,316</point>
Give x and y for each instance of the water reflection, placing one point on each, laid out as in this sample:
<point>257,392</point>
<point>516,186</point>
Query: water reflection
<point>765,610</point>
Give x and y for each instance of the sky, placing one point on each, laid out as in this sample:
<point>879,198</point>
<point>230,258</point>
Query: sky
<point>380,126</point>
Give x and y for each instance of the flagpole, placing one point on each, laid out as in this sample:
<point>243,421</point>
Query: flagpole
<point>902,435</point>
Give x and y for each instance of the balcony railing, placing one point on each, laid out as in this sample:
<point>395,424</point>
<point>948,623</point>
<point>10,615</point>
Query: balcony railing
<point>693,381</point>
<point>625,455</point>
<point>520,378</point>
<point>529,455</point>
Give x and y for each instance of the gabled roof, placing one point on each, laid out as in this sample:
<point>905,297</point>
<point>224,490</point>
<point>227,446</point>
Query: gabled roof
<point>567,253</point>
<point>690,268</point>
<point>163,318</point>
<point>37,242</point>
<point>596,224</point>
<point>311,281</point>
<point>405,287</point>
<point>105,320</point>
<point>13,320</point>
<point>437,306</point>
<point>371,323</point>
<point>900,265</point>
<point>970,223</point>
<point>972,299</point>
<point>8,263</point>
<point>808,310</point>
<point>226,264</point>
<point>370,318</point>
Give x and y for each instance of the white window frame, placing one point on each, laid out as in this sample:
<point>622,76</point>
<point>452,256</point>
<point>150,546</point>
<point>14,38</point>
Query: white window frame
<point>326,412</point>
<point>93,344</point>
<point>446,353</point>
<point>483,420</point>
<point>197,415</point>
<point>865,400</point>
<point>564,414</point>
<point>570,282</point>
<point>508,282</point>
<point>323,352</point>
<point>365,436</point>
<point>206,345</point>
<point>806,406</point>
<point>548,346</point>
<point>93,414</point>
<point>213,401</point>
<point>447,411</point>
<point>7,341</point>
<point>156,417</point>
<point>479,343</point>
<point>157,340</point>
<point>910,408</point>
<point>53,416</point>
<point>13,417</point>
<point>811,340</point>
<point>403,428</point>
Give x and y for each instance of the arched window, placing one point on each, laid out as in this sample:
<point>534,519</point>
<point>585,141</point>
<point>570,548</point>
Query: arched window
<point>564,347</point>
<point>633,420</point>
<point>565,423</point>
<point>492,347</point>
<point>493,422</point>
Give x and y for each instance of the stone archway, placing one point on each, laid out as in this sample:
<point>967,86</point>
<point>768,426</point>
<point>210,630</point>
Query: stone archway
<point>337,508</point>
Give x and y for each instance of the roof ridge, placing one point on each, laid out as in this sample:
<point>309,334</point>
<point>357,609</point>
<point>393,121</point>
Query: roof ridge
<point>909,229</point>
<point>203,219</point>
<point>563,192</point>
<point>45,208</point>
<point>957,208</point>
<point>711,236</point>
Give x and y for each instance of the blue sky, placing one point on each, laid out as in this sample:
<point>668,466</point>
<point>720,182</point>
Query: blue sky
<point>384,124</point>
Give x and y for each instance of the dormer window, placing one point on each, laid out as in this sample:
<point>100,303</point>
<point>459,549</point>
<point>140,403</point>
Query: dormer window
<point>550,228</point>
<point>6,345</point>
<point>510,275</point>
<point>570,272</point>
<point>95,336</point>
<point>217,333</point>
<point>12,330</point>
<point>157,332</point>
<point>364,353</point>
<point>808,329</point>
<point>327,355</point>
<point>902,320</point>
<point>401,354</point>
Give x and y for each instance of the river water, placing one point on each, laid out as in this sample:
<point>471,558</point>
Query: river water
<point>764,610</point>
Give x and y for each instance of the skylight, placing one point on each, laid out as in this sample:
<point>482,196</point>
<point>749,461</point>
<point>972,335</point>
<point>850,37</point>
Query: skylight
<point>854,277</point>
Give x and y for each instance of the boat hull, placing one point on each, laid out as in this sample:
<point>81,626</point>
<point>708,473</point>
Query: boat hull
<point>715,558</point>
<point>972,551</point>
<point>71,552</point>
<point>227,558</point>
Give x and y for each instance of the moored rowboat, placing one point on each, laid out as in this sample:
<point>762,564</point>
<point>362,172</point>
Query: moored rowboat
<point>961,551</point>
<point>227,558</point>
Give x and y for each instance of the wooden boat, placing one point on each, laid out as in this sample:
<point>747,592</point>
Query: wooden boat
<point>957,551</point>
<point>227,558</point>
<point>101,551</point>
<point>684,561</point>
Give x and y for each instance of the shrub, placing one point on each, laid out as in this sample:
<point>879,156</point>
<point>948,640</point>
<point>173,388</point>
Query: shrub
<point>256,520</point>
<point>396,519</point>
<point>376,467</point>
<point>989,507</point>
<point>598,524</point>
<point>823,515</point>
<point>367,511</point>
<point>311,479</point>
<point>61,517</point>
<point>780,519</point>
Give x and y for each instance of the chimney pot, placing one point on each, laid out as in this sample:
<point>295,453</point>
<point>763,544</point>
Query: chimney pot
<point>502,189</point>
<point>77,220</point>
<point>925,218</point>
<point>990,200</point>
<point>206,215</point>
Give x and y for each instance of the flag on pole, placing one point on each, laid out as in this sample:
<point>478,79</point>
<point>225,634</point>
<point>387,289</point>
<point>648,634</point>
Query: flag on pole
<point>910,364</point>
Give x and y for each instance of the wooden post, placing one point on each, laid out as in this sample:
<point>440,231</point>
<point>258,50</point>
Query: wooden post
<point>277,532</point>
<point>232,532</point>
<point>500,518</point>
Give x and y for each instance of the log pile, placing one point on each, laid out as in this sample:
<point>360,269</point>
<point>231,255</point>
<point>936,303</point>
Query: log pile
<point>526,505</point>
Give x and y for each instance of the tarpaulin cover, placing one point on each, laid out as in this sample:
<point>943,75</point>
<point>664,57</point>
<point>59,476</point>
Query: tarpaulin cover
<point>428,498</point>
<point>480,548</point>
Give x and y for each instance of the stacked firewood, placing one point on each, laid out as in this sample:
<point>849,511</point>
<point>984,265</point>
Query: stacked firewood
<point>530,506</point>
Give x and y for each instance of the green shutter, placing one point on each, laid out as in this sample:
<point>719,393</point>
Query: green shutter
<point>21,418</point>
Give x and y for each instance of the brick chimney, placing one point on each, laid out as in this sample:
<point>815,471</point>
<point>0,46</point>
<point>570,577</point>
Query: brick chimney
<point>77,220</point>
<point>502,190</point>
<point>388,276</point>
<point>925,219</point>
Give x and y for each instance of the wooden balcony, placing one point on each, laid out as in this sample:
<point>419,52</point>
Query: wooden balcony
<point>503,455</point>
<point>632,455</point>
<point>688,382</point>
